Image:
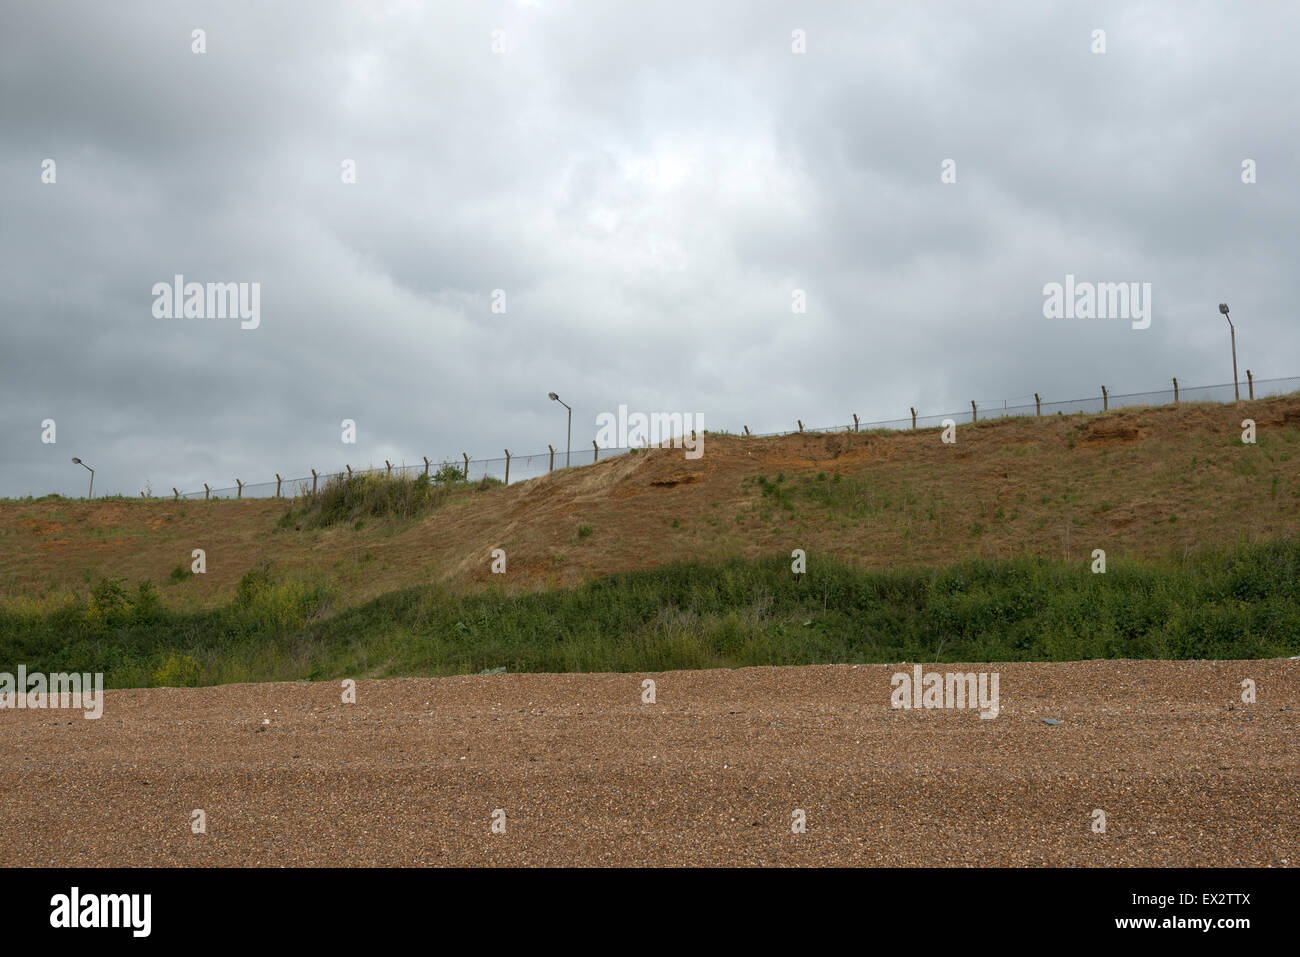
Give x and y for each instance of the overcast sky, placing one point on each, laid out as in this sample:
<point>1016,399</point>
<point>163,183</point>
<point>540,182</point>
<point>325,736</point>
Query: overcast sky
<point>648,183</point>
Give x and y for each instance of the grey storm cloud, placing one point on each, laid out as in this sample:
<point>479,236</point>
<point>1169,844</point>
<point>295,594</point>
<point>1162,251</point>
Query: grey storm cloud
<point>649,184</point>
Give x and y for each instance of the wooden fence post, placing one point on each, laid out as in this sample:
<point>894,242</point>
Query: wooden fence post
<point>207,492</point>
<point>1038,404</point>
<point>277,484</point>
<point>313,481</point>
<point>175,494</point>
<point>426,464</point>
<point>142,494</point>
<point>390,467</point>
<point>240,493</point>
<point>1105,399</point>
<point>747,430</point>
<point>1175,391</point>
<point>507,466</point>
<point>552,465</point>
<point>1251,380</point>
<point>349,468</point>
<point>800,421</point>
<point>465,455</point>
<point>595,451</point>
<point>913,418</point>
<point>855,422</point>
<point>974,416</point>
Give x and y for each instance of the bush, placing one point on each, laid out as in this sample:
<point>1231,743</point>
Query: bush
<point>178,671</point>
<point>266,605</point>
<point>146,607</point>
<point>352,498</point>
<point>448,474</point>
<point>109,601</point>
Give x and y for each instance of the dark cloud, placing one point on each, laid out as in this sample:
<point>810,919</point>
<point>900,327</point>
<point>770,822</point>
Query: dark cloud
<point>649,183</point>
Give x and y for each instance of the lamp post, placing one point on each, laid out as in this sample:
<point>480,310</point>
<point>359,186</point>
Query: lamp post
<point>569,443</point>
<point>92,475</point>
<point>1236,389</point>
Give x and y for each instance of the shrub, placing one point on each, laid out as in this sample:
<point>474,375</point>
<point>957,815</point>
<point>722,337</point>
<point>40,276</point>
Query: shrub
<point>109,600</point>
<point>448,474</point>
<point>352,498</point>
<point>178,671</point>
<point>266,604</point>
<point>146,606</point>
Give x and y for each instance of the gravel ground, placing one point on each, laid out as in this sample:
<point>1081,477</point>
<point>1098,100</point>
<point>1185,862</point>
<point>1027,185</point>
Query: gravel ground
<point>710,774</point>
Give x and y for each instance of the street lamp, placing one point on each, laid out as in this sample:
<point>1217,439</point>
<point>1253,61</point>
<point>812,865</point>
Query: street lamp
<point>1236,390</point>
<point>92,475</point>
<point>569,443</point>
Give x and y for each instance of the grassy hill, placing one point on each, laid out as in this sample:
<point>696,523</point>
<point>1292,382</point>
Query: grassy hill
<point>387,578</point>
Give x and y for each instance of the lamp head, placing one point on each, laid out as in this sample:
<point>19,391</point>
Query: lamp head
<point>1223,308</point>
<point>553,396</point>
<point>76,460</point>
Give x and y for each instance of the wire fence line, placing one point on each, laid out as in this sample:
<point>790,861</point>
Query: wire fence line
<point>514,468</point>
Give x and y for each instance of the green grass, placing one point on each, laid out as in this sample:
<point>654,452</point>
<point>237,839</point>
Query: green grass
<point>356,498</point>
<point>1236,603</point>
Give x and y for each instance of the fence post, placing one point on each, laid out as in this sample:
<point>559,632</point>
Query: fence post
<point>747,430</point>
<point>855,422</point>
<point>595,451</point>
<point>175,494</point>
<point>349,468</point>
<point>551,468</point>
<point>142,494</point>
<point>390,467</point>
<point>426,464</point>
<point>507,466</point>
<point>1105,399</point>
<point>240,493</point>
<point>1038,405</point>
<point>313,481</point>
<point>1175,391</point>
<point>1250,379</point>
<point>974,416</point>
<point>800,421</point>
<point>465,455</point>
<point>207,492</point>
<point>913,418</point>
<point>277,484</point>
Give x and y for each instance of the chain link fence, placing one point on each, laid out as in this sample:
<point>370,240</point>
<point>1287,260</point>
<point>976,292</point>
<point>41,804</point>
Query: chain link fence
<point>518,468</point>
<point>521,467</point>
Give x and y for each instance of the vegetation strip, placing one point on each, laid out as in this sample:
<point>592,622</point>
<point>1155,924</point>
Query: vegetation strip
<point>1234,603</point>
